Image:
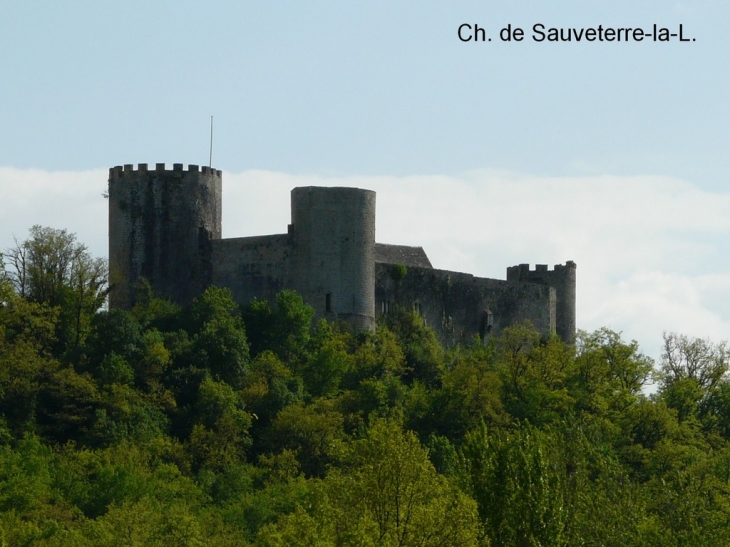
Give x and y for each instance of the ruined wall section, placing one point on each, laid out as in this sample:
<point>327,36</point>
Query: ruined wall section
<point>562,278</point>
<point>332,263</point>
<point>161,225</point>
<point>456,304</point>
<point>251,267</point>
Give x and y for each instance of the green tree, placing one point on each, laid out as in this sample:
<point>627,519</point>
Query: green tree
<point>424,354</point>
<point>390,496</point>
<point>150,310</point>
<point>328,361</point>
<point>699,359</point>
<point>609,373</point>
<point>283,329</point>
<point>51,267</point>
<point>534,374</point>
<point>691,507</point>
<point>471,392</point>
<point>715,410</point>
<point>314,431</point>
<point>126,413</point>
<point>114,331</point>
<point>269,387</point>
<point>25,478</point>
<point>395,485</point>
<point>692,370</point>
<point>27,335</point>
<point>612,512</point>
<point>67,405</point>
<point>378,354</point>
<point>220,436</point>
<point>518,483</point>
<point>219,343</point>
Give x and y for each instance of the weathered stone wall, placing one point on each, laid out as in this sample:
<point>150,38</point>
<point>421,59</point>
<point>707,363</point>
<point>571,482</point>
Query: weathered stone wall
<point>563,279</point>
<point>456,304</point>
<point>165,225</point>
<point>333,252</point>
<point>251,266</point>
<point>161,224</point>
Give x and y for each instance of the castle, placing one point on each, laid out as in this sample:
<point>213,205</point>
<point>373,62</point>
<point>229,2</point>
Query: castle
<point>165,226</point>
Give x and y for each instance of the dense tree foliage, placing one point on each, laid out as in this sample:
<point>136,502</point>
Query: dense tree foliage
<point>52,268</point>
<point>216,425</point>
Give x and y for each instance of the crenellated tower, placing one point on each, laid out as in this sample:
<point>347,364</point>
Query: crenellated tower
<point>562,278</point>
<point>161,224</point>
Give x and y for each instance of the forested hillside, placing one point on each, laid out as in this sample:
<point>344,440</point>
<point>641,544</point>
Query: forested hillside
<point>216,425</point>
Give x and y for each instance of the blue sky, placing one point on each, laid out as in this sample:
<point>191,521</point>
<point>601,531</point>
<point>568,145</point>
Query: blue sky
<point>593,152</point>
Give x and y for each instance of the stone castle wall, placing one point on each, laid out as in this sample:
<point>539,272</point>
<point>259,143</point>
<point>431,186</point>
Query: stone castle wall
<point>456,305</point>
<point>165,226</point>
<point>251,267</point>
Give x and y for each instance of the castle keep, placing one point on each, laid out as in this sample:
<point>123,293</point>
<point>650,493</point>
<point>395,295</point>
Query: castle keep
<point>165,226</point>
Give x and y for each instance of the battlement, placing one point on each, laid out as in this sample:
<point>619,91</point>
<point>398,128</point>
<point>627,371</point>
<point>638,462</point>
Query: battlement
<point>161,225</point>
<point>524,269</point>
<point>562,279</point>
<point>160,167</point>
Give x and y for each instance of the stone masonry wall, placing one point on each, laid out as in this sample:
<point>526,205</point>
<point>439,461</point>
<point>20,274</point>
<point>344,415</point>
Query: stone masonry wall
<point>563,279</point>
<point>251,266</point>
<point>455,304</point>
<point>161,224</point>
<point>332,257</point>
<point>165,225</point>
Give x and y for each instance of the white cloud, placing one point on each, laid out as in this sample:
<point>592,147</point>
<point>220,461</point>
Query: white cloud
<point>62,199</point>
<point>650,250</point>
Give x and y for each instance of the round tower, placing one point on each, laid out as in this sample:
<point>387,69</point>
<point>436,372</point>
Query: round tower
<point>161,223</point>
<point>566,311</point>
<point>333,262</point>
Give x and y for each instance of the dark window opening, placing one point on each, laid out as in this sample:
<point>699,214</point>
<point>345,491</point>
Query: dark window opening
<point>486,325</point>
<point>328,302</point>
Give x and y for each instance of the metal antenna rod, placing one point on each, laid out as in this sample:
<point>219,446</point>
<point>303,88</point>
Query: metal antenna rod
<point>210,158</point>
